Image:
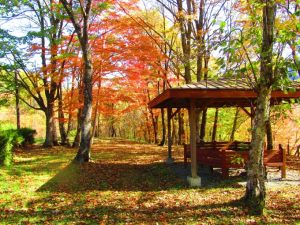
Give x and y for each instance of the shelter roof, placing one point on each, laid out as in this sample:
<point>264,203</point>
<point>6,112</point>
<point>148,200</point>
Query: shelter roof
<point>224,92</point>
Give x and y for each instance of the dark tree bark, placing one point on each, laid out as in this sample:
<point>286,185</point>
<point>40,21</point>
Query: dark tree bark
<point>180,127</point>
<point>255,188</point>
<point>61,118</point>
<point>163,123</point>
<point>203,125</point>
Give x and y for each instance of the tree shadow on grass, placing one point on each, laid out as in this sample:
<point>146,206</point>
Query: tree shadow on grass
<point>113,214</point>
<point>113,176</point>
<point>126,177</point>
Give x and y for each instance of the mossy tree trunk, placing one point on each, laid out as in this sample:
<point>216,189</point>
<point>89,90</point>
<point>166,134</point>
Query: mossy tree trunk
<point>255,188</point>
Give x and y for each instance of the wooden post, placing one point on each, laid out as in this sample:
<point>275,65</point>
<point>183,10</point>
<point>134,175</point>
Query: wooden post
<point>194,180</point>
<point>169,159</point>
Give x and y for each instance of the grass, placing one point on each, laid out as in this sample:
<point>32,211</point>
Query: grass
<point>126,183</point>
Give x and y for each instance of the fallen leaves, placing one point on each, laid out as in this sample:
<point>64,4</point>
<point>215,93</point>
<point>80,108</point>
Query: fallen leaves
<point>125,184</point>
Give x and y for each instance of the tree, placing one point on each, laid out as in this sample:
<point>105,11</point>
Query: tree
<point>253,51</point>
<point>81,26</point>
<point>255,189</point>
<point>40,81</point>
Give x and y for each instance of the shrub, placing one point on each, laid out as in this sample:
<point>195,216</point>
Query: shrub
<point>28,135</point>
<point>8,139</point>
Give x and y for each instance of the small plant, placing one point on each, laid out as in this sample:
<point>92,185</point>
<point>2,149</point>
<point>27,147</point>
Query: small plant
<point>237,160</point>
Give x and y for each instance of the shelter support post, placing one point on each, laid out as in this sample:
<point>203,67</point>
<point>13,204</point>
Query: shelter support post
<point>169,160</point>
<point>194,180</point>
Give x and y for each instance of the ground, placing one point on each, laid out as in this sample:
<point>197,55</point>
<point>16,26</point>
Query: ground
<point>129,183</point>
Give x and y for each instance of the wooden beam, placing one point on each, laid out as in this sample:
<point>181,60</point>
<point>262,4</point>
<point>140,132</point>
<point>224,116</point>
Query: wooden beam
<point>192,120</point>
<point>247,112</point>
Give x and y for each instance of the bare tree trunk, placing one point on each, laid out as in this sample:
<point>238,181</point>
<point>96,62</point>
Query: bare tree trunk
<point>55,138</point>
<point>76,141</point>
<point>180,127</point>
<point>49,127</point>
<point>269,135</point>
<point>95,118</point>
<point>214,132</point>
<point>61,118</point>
<point>203,125</point>
<point>174,133</point>
<point>163,140</point>
<point>234,124</point>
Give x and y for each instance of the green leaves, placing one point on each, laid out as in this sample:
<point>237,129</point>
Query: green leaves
<point>222,26</point>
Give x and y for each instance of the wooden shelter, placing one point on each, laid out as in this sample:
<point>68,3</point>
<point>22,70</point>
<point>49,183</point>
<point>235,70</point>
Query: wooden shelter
<point>224,92</point>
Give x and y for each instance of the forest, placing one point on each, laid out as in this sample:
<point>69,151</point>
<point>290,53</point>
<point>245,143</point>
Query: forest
<point>149,112</point>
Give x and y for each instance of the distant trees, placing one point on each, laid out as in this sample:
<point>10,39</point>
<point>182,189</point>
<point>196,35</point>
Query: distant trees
<point>63,36</point>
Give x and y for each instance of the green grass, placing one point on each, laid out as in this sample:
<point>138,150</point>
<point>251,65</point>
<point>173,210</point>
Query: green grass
<point>127,183</point>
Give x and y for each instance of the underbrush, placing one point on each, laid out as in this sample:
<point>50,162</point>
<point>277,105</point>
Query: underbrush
<point>10,138</point>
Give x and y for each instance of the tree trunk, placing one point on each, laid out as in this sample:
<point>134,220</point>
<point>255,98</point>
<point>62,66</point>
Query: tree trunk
<point>255,188</point>
<point>83,154</point>
<point>55,138</point>
<point>174,133</point>
<point>180,127</point>
<point>49,127</point>
<point>61,119</point>
<point>96,117</point>
<point>76,141</point>
<point>17,102</point>
<point>269,135</point>
<point>214,132</point>
<point>163,140</point>
<point>234,124</point>
<point>203,125</point>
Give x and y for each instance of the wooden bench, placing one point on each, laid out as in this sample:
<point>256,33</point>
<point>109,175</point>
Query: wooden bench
<point>226,155</point>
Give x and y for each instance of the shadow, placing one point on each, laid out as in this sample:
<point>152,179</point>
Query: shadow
<point>129,177</point>
<point>113,176</point>
<point>209,179</point>
<point>141,214</point>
